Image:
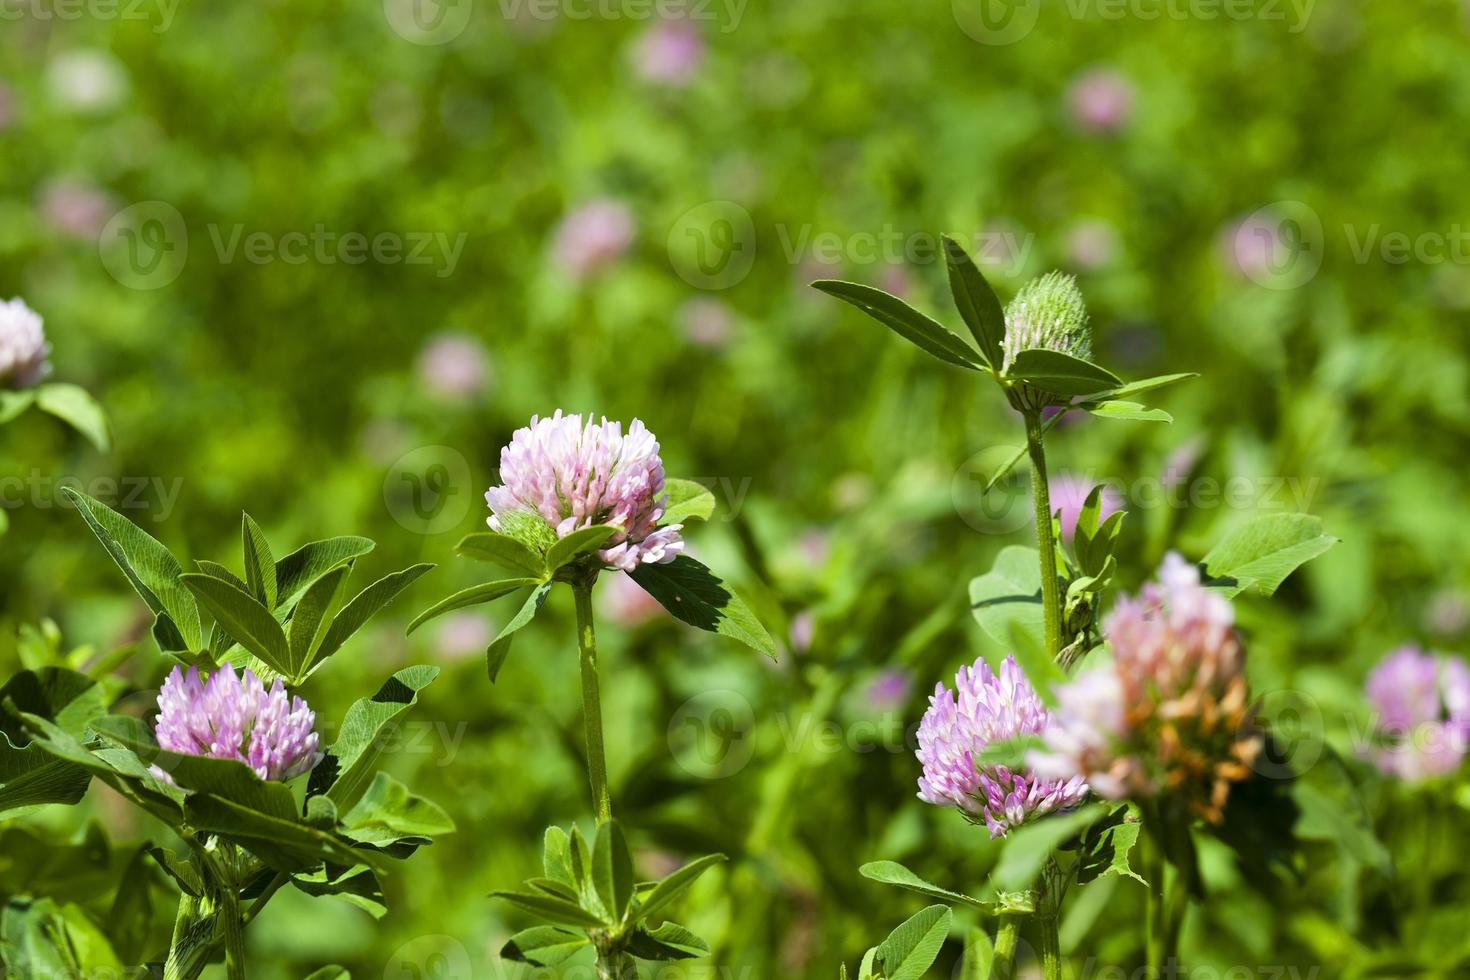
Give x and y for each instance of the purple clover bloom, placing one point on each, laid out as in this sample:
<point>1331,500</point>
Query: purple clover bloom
<point>232,716</point>
<point>1422,707</point>
<point>573,475</point>
<point>990,708</point>
<point>23,347</point>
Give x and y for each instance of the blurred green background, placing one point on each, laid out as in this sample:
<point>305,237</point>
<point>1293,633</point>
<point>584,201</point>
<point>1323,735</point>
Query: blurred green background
<point>318,261</point>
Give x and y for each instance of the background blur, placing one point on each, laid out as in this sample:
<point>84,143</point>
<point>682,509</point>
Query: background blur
<point>318,261</point>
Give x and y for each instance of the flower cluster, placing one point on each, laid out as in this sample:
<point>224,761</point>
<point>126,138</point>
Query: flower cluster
<point>1170,713</point>
<point>1049,313</point>
<point>231,716</point>
<point>1421,710</point>
<point>23,347</point>
<point>990,708</point>
<point>573,474</point>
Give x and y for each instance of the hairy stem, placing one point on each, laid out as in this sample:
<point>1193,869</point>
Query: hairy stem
<point>1051,596</point>
<point>1003,965</point>
<point>178,966</point>
<point>592,700</point>
<point>233,930</point>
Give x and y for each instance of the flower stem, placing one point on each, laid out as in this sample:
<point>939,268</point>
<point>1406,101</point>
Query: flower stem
<point>592,699</point>
<point>1157,915</point>
<point>1003,964</point>
<point>177,967</point>
<point>1051,596</point>
<point>234,932</point>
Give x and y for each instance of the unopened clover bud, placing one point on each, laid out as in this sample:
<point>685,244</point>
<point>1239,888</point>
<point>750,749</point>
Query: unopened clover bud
<point>1048,313</point>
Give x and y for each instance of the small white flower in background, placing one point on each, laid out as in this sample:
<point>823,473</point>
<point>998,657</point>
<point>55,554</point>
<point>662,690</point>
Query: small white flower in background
<point>87,80</point>
<point>454,365</point>
<point>706,322</point>
<point>23,347</point>
<point>1092,245</point>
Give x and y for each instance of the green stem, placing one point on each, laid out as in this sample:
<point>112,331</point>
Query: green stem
<point>1051,595</point>
<point>270,890</point>
<point>1157,915</point>
<point>592,700</point>
<point>1003,965</point>
<point>177,967</point>
<point>234,932</point>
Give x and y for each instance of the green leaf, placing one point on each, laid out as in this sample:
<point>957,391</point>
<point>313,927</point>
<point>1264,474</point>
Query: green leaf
<point>390,812</point>
<point>1139,387</point>
<point>612,871</point>
<point>153,572</point>
<point>473,596</point>
<point>1060,374</point>
<point>552,908</point>
<point>330,973</point>
<point>893,873</point>
<point>364,606</point>
<point>499,648</point>
<point>543,946</point>
<point>688,501</point>
<point>905,321</point>
<point>668,890</point>
<point>1131,411</point>
<point>296,572</point>
<point>311,618</point>
<point>343,772</point>
<point>1261,553</point>
<point>556,858</point>
<point>697,596</point>
<point>74,406</point>
<point>1106,851</point>
<point>1006,601</point>
<point>670,941</point>
<point>577,544</point>
<point>1028,847</point>
<point>260,565</point>
<point>503,550</point>
<point>978,305</point>
<point>911,949</point>
<point>13,404</point>
<point>978,956</point>
<point>249,622</point>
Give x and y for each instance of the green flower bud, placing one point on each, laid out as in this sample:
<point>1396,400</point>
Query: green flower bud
<point>1049,313</point>
<point>529,529</point>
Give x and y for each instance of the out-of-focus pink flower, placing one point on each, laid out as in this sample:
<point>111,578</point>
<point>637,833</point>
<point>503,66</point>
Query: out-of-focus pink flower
<point>593,236</point>
<point>896,281</point>
<point>669,53</point>
<point>705,321</point>
<point>815,546</point>
<point>232,716</point>
<point>1169,714</point>
<point>1092,245</point>
<point>23,347</point>
<point>1069,492</point>
<point>803,630</point>
<point>572,475</point>
<point>454,366</point>
<point>1101,101</point>
<point>627,603</point>
<point>1422,709</point>
<point>76,208</point>
<point>990,708</point>
<point>463,634</point>
<point>1253,247</point>
<point>1447,613</point>
<point>889,690</point>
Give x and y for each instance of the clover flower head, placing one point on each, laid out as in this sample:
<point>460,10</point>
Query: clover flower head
<point>988,707</point>
<point>1421,705</point>
<point>670,53</point>
<point>567,474</point>
<point>1170,712</point>
<point>593,236</point>
<point>23,347</point>
<point>1101,100</point>
<point>454,366</point>
<point>234,716</point>
<point>1049,313</point>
